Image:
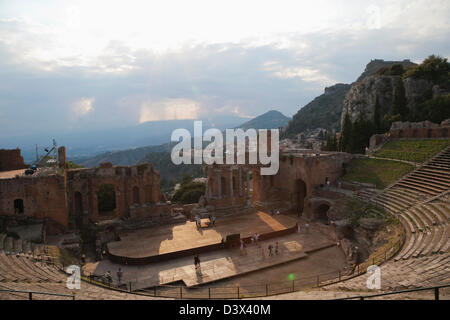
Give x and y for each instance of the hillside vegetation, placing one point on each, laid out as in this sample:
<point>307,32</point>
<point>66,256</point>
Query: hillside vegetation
<point>323,112</point>
<point>379,172</point>
<point>412,150</point>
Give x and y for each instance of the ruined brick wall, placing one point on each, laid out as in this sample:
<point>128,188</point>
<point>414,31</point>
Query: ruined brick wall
<point>42,198</point>
<point>227,186</point>
<point>138,185</point>
<point>297,178</point>
<point>417,130</point>
<point>11,160</point>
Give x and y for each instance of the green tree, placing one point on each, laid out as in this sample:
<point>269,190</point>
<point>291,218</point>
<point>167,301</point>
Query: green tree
<point>399,109</point>
<point>377,117</point>
<point>347,132</point>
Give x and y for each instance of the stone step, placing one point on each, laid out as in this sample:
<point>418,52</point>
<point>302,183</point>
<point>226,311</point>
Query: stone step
<point>439,216</point>
<point>22,269</point>
<point>425,184</point>
<point>397,199</point>
<point>401,195</point>
<point>418,187</point>
<point>6,266</point>
<point>442,241</point>
<point>414,248</point>
<point>428,218</point>
<point>409,243</point>
<point>434,171</point>
<point>432,174</point>
<point>437,233</point>
<point>419,218</point>
<point>431,180</point>
<point>408,224</point>
<point>411,217</point>
<point>444,209</point>
<point>426,240</point>
<point>387,204</point>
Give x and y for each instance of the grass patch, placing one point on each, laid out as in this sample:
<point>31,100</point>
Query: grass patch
<point>379,172</point>
<point>412,150</point>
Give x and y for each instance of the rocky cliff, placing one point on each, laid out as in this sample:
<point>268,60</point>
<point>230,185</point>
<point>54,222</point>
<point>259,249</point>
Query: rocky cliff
<point>372,84</point>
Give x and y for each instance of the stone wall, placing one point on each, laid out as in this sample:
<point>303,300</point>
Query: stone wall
<point>42,197</point>
<point>424,129</point>
<point>297,177</point>
<point>11,160</point>
<point>134,185</point>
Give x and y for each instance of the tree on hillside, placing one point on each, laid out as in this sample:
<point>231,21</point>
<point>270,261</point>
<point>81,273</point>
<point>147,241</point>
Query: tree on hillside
<point>346,135</point>
<point>377,116</point>
<point>399,108</point>
<point>434,68</point>
<point>436,110</point>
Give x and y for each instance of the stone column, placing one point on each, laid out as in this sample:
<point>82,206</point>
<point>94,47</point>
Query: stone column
<point>240,181</point>
<point>231,183</point>
<point>219,184</point>
<point>248,186</point>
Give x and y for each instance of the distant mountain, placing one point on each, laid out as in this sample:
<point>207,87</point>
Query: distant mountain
<point>86,144</point>
<point>124,157</point>
<point>323,112</point>
<point>270,120</point>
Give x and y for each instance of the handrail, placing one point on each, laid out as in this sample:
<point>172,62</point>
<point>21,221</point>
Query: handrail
<point>30,293</point>
<point>435,288</point>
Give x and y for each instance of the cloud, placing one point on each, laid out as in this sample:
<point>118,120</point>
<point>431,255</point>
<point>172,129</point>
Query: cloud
<point>51,69</point>
<point>83,106</point>
<point>169,109</point>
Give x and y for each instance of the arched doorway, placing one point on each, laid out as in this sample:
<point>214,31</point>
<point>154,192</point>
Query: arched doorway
<point>148,194</point>
<point>320,213</point>
<point>106,197</point>
<point>78,209</point>
<point>18,206</point>
<point>136,199</point>
<point>300,187</point>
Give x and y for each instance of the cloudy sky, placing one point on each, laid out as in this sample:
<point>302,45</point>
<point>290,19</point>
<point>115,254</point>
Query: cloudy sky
<point>76,65</point>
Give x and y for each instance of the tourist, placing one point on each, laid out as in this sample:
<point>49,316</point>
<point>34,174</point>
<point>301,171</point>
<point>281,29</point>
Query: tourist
<point>307,227</point>
<point>298,227</point>
<point>358,193</point>
<point>213,221</point>
<point>119,275</point>
<point>328,185</point>
<point>256,237</point>
<point>242,247</point>
<point>278,211</point>
<point>108,277</point>
<point>276,248</point>
<point>270,250</point>
<point>83,258</point>
<point>245,248</point>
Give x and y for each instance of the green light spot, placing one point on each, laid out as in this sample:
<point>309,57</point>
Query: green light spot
<point>291,276</point>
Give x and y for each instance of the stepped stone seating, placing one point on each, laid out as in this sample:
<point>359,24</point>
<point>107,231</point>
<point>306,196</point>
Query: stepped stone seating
<point>28,272</point>
<point>431,179</point>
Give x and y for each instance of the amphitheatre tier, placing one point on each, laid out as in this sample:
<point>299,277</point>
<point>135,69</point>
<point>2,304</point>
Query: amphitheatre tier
<point>166,239</point>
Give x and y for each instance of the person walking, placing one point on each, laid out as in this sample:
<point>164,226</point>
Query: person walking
<point>119,275</point>
<point>298,227</point>
<point>307,227</point>
<point>270,250</point>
